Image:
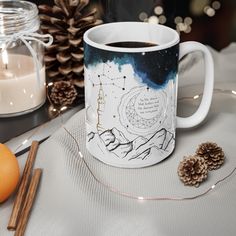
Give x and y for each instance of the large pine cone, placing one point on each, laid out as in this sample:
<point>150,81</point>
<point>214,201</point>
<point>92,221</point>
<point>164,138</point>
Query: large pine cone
<point>212,153</point>
<point>192,170</point>
<point>66,21</point>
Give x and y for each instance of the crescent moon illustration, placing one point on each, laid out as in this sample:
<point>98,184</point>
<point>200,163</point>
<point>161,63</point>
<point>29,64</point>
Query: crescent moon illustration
<point>142,111</point>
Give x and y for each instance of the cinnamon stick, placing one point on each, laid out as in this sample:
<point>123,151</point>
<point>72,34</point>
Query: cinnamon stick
<point>29,200</point>
<point>23,186</point>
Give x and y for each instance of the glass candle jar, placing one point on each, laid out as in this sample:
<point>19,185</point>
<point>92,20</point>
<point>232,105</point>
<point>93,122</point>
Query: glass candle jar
<point>22,71</point>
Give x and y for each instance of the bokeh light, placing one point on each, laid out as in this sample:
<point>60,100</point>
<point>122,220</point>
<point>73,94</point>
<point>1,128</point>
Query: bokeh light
<point>153,20</point>
<point>158,10</point>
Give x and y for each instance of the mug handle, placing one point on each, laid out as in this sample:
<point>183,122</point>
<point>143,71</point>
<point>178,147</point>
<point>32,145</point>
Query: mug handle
<point>204,107</point>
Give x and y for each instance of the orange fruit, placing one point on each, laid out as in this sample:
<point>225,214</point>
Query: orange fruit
<point>9,172</point>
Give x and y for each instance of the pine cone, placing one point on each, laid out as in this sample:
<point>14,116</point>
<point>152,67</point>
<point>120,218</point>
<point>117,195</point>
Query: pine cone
<point>212,153</point>
<point>192,170</point>
<point>63,93</point>
<point>66,21</point>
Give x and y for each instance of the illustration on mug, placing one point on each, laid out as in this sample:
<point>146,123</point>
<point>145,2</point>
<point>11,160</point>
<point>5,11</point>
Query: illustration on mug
<point>131,103</point>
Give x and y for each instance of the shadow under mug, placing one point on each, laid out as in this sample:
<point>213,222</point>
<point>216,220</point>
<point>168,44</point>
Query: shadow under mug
<point>131,92</point>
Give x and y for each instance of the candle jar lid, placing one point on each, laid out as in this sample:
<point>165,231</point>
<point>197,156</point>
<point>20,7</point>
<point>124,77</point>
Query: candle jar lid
<point>22,70</point>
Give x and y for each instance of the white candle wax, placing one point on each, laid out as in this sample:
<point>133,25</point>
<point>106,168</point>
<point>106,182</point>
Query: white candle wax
<point>19,88</point>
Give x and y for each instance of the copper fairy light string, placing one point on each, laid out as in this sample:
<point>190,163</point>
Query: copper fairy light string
<point>58,112</point>
<point>136,197</point>
<point>26,140</point>
<point>151,198</point>
<point>216,91</point>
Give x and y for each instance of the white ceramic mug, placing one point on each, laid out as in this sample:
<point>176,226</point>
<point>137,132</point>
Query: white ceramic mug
<point>131,92</point>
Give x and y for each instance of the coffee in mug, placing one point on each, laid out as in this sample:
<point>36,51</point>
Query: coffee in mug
<point>132,44</point>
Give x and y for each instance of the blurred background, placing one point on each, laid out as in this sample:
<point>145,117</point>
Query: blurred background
<point>212,22</point>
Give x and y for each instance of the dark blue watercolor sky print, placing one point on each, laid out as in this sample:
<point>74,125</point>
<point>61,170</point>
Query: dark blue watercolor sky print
<point>155,68</point>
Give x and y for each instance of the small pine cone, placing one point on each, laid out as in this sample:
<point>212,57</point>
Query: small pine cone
<point>63,93</point>
<point>192,170</point>
<point>212,153</point>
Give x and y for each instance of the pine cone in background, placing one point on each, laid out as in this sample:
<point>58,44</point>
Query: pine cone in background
<point>66,21</point>
<point>62,93</point>
<point>212,153</point>
<point>192,170</point>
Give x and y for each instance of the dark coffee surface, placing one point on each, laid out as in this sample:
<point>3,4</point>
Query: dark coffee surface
<point>129,44</point>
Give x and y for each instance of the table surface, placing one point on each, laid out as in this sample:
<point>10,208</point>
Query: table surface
<point>71,202</point>
<point>11,127</point>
